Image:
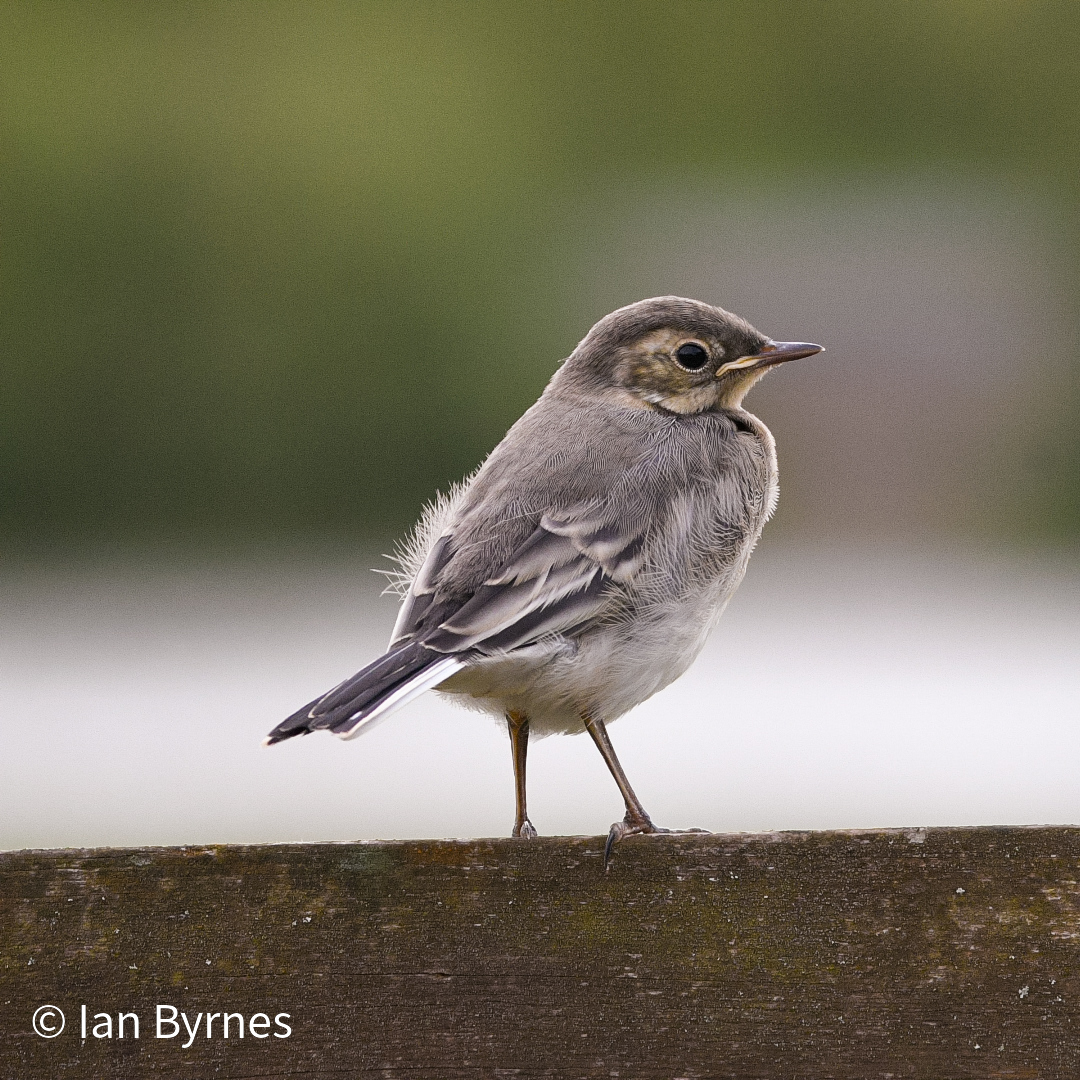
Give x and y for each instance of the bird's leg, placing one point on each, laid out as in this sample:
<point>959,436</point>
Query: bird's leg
<point>518,725</point>
<point>636,819</point>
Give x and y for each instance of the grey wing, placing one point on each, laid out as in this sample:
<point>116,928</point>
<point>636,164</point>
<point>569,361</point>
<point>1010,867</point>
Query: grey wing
<point>565,574</point>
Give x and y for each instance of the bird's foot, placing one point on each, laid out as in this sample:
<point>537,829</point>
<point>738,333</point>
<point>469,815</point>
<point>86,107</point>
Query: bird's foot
<point>629,825</point>
<point>524,828</point>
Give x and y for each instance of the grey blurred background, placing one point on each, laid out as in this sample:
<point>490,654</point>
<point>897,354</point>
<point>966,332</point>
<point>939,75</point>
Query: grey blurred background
<point>273,274</point>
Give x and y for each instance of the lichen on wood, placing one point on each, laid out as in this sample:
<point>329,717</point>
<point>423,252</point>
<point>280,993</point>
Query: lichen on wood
<point>930,953</point>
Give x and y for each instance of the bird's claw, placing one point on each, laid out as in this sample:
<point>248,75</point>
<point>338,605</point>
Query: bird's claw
<point>629,826</point>
<point>524,829</point>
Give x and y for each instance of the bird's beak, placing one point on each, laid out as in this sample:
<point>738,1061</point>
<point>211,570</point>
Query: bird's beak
<point>776,352</point>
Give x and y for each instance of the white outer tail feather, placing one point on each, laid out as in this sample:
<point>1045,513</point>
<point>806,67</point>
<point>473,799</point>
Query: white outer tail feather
<point>417,685</point>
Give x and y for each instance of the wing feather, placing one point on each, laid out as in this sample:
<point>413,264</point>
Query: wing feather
<point>564,574</point>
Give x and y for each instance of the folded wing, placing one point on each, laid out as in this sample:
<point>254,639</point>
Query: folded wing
<point>564,575</point>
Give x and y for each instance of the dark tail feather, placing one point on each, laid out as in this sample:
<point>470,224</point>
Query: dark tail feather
<point>345,707</point>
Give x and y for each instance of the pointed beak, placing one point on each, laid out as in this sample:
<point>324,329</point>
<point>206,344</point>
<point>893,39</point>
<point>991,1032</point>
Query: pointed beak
<point>776,352</point>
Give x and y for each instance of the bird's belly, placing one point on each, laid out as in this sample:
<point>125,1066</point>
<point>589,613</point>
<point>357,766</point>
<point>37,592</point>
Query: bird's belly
<point>609,671</point>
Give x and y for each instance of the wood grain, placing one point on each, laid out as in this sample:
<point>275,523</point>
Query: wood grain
<point>931,954</point>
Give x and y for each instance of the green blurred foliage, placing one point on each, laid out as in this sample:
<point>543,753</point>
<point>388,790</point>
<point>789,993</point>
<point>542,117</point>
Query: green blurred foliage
<point>287,267</point>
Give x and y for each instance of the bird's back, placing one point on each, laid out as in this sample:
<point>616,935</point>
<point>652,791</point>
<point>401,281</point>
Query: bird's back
<point>674,504</point>
<point>699,488</point>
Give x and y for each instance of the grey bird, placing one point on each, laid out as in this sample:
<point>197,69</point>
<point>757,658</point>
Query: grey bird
<point>580,569</point>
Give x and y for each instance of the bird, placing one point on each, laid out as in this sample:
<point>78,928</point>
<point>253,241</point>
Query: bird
<point>581,567</point>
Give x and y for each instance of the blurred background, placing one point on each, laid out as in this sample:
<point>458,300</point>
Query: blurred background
<point>273,274</point>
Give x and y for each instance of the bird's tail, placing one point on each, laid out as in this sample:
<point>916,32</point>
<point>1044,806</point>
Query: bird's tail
<point>357,704</point>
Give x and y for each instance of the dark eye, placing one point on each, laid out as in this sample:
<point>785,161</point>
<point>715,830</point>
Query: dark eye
<point>692,356</point>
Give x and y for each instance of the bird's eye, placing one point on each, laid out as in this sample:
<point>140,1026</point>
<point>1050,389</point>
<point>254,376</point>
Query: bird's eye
<point>692,356</point>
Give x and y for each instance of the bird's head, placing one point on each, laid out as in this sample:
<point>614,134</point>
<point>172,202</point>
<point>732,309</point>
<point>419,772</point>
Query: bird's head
<point>675,354</point>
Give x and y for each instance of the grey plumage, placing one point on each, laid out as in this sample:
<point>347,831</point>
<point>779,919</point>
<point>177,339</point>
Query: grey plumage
<point>580,569</point>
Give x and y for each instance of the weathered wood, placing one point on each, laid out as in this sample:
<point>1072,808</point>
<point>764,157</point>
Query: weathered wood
<point>944,953</point>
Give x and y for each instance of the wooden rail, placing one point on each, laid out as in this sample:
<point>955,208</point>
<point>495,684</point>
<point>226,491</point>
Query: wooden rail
<point>929,954</point>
